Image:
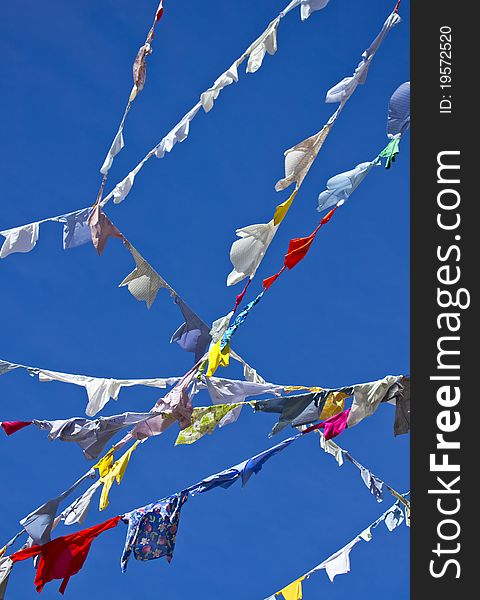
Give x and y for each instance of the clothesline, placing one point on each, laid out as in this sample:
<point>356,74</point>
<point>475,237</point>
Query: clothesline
<point>105,465</point>
<point>139,76</point>
<point>40,523</point>
<point>339,189</point>
<point>339,562</point>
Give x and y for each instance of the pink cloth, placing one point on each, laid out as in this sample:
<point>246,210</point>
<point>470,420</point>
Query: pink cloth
<point>177,403</point>
<point>12,426</point>
<point>333,426</point>
<point>101,228</point>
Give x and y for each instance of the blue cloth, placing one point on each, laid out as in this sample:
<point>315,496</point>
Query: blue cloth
<point>76,230</point>
<point>152,529</point>
<point>398,120</point>
<point>239,320</point>
<point>243,470</point>
<point>341,186</point>
<point>193,335</point>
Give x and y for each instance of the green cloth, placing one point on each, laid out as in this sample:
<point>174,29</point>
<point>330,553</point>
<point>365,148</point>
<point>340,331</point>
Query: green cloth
<point>390,152</point>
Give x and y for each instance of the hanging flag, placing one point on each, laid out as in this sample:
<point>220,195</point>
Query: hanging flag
<point>19,239</point>
<point>398,121</point>
<point>341,186</point>
<point>247,253</point>
<point>193,335</point>
<point>204,420</point>
<point>143,282</point>
<point>152,529</point>
<point>342,91</point>
<point>101,228</point>
<point>64,556</point>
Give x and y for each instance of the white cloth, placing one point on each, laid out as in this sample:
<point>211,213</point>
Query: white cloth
<point>77,511</point>
<point>366,534</point>
<point>209,96</point>
<point>123,188</point>
<point>219,327</point>
<point>267,42</point>
<point>117,144</point>
<point>367,397</point>
<point>342,91</point>
<point>247,253</point>
<point>230,391</point>
<point>19,239</point>
<point>249,373</point>
<point>307,7</point>
<point>300,158</point>
<point>338,563</point>
<point>331,447</point>
<point>178,133</point>
<point>6,566</point>
<point>100,390</point>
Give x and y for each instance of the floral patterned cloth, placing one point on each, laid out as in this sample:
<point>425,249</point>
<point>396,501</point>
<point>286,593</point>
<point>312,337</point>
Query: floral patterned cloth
<point>204,420</point>
<point>152,529</point>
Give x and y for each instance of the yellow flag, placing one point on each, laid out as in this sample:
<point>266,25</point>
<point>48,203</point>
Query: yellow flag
<point>293,591</point>
<point>218,358</point>
<point>334,404</point>
<point>116,472</point>
<point>105,463</point>
<point>282,208</point>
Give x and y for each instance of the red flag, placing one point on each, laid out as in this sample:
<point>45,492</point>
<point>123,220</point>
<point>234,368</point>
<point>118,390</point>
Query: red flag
<point>297,249</point>
<point>64,556</point>
<point>12,426</point>
<point>268,282</point>
<point>159,14</point>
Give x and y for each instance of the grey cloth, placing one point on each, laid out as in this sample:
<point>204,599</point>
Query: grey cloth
<point>297,410</point>
<point>400,393</point>
<point>91,435</point>
<point>193,335</point>
<point>38,524</point>
<point>399,111</point>
<point>294,410</point>
<point>6,366</point>
<point>373,483</point>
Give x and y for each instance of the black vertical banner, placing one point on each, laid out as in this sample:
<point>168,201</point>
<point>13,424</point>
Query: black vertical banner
<point>444,328</point>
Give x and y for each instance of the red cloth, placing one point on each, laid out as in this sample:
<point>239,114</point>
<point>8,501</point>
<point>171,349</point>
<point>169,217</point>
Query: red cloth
<point>297,250</point>
<point>332,426</point>
<point>268,282</point>
<point>12,426</point>
<point>328,216</point>
<point>159,14</point>
<point>240,296</point>
<point>64,556</point>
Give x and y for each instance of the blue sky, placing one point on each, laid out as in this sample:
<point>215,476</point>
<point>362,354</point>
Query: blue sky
<point>340,317</point>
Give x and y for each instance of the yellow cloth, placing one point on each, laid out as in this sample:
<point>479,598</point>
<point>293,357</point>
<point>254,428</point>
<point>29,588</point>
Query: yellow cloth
<point>2,551</point>
<point>218,358</point>
<point>296,388</point>
<point>105,463</point>
<point>117,472</point>
<point>293,591</point>
<point>334,404</point>
<point>282,209</point>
